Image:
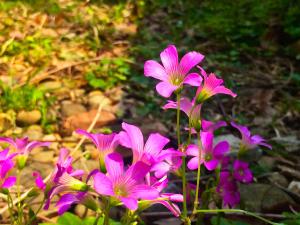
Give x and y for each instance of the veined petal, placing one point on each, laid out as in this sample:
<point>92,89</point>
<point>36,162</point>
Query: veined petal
<point>165,89</point>
<point>192,150</point>
<point>190,60</point>
<point>3,154</point>
<point>169,58</point>
<point>130,203</point>
<point>193,79</point>
<point>224,90</point>
<point>207,141</point>
<point>114,165</point>
<point>35,144</point>
<point>170,206</point>
<point>136,172</point>
<point>155,143</point>
<point>160,169</point>
<point>193,163</point>
<point>103,185</point>
<point>212,164</point>
<point>135,139</point>
<point>39,181</point>
<point>209,126</point>
<point>144,192</point>
<point>9,181</point>
<point>65,202</point>
<point>220,149</point>
<point>155,70</point>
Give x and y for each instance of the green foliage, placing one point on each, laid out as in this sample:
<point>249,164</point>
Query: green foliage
<point>71,219</point>
<point>223,221</point>
<point>108,73</point>
<point>293,219</point>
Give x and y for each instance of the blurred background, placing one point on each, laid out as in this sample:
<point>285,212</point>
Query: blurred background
<point>60,58</point>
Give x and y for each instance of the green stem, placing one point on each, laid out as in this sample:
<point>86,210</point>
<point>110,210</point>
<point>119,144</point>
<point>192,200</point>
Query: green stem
<point>38,210</point>
<point>184,214</point>
<point>20,208</point>
<point>196,202</point>
<point>10,207</point>
<point>236,211</point>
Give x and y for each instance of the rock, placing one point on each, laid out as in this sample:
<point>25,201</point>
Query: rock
<point>150,126</point>
<point>267,162</point>
<point>6,122</point>
<point>50,85</point>
<point>115,94</point>
<point>43,156</point>
<point>70,109</point>
<point>290,143</point>
<point>264,198</point>
<point>34,132</point>
<point>294,187</point>
<point>83,120</point>
<point>52,138</point>
<point>231,139</point>
<point>95,97</point>
<point>277,178</point>
<point>29,117</point>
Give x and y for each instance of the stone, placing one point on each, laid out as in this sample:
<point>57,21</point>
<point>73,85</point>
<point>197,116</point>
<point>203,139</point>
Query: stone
<point>29,117</point>
<point>267,162</point>
<point>70,109</point>
<point>294,187</point>
<point>279,179</point>
<point>50,86</point>
<point>54,139</point>
<point>43,156</point>
<point>34,132</point>
<point>95,97</point>
<point>264,198</point>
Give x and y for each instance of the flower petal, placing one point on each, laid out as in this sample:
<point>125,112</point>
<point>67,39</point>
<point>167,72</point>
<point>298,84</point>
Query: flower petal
<point>144,192</point>
<point>169,58</point>
<point>9,181</point>
<point>220,149</point>
<point>212,164</point>
<point>165,89</point>
<point>193,163</point>
<point>137,172</point>
<point>207,141</point>
<point>224,90</point>
<point>190,60</point>
<point>193,79</point>
<point>130,203</point>
<point>114,165</point>
<point>155,143</point>
<point>155,70</point>
<point>103,185</point>
<point>192,150</point>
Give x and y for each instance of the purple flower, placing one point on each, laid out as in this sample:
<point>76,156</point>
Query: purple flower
<point>105,143</point>
<point>190,109</point>
<point>23,145</point>
<point>39,182</point>
<point>166,199</point>
<point>241,171</point>
<point>211,86</point>
<point>67,200</point>
<point>210,156</point>
<point>6,164</point>
<point>208,126</point>
<point>127,186</point>
<point>173,74</point>
<point>228,189</point>
<point>152,152</point>
<point>248,141</point>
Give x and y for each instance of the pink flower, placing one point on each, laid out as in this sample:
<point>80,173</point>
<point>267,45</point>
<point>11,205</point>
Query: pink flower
<point>173,74</point>
<point>210,156</point>
<point>190,109</point>
<point>208,126</point>
<point>67,200</point>
<point>248,141</point>
<point>39,182</point>
<point>105,143</point>
<point>211,86</point>
<point>23,145</point>
<point>6,164</point>
<point>241,171</point>
<point>152,152</point>
<point>127,186</point>
<point>228,189</point>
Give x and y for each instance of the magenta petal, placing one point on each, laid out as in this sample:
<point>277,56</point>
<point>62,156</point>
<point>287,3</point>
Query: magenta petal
<point>192,150</point>
<point>207,141</point>
<point>193,163</point>
<point>165,89</point>
<point>103,185</point>
<point>39,181</point>
<point>160,169</point>
<point>65,202</point>
<point>3,154</point>
<point>144,192</point>
<point>135,137</point>
<point>155,70</point>
<point>212,164</point>
<point>169,58</point>
<point>155,143</point>
<point>224,90</point>
<point>170,206</point>
<point>130,203</point>
<point>137,171</point>
<point>193,79</point>
<point>10,181</point>
<point>190,60</point>
<point>114,165</point>
<point>220,149</point>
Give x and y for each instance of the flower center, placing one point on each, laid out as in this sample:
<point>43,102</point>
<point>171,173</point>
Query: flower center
<point>120,190</point>
<point>208,157</point>
<point>176,79</point>
<point>241,172</point>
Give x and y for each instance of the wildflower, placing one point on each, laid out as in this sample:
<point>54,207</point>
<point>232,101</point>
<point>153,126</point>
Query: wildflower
<point>23,146</point>
<point>248,141</point>
<point>210,156</point>
<point>208,126</point>
<point>241,171</point>
<point>152,152</point>
<point>39,182</point>
<point>127,186</point>
<point>173,74</point>
<point>211,86</point>
<point>67,200</point>
<point>228,189</point>
<point>105,143</point>
<point>6,164</point>
<point>190,109</point>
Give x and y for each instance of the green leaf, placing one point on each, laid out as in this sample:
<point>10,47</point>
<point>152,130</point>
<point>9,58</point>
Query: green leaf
<point>69,219</point>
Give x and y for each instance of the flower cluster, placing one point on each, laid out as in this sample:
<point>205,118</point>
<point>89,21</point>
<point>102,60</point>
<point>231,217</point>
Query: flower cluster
<point>143,182</point>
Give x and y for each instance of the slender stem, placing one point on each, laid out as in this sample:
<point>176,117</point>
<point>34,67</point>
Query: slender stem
<point>196,202</point>
<point>183,158</point>
<point>10,207</point>
<point>37,212</point>
<point>20,209</point>
<point>236,211</point>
